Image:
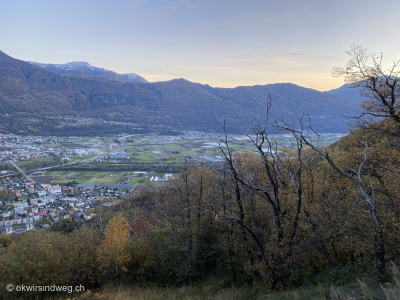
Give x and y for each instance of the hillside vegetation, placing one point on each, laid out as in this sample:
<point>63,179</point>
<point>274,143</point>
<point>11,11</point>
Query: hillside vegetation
<point>258,223</point>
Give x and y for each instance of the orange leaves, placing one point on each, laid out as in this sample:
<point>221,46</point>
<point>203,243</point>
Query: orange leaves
<point>140,226</point>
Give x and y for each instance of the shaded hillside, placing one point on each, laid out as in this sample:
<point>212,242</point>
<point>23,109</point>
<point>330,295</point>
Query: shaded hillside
<point>290,101</point>
<point>27,89</point>
<point>348,91</point>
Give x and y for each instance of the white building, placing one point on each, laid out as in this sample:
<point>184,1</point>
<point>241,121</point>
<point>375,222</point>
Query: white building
<point>54,189</point>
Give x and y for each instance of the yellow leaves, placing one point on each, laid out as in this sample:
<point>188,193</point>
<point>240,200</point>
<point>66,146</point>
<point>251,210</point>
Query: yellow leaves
<point>114,246</point>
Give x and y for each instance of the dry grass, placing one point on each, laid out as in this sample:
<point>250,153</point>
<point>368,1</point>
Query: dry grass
<point>387,291</point>
<point>212,291</point>
<point>219,291</point>
<point>185,293</point>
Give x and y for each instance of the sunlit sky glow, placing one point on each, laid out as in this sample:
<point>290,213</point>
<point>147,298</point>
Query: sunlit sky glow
<point>218,42</point>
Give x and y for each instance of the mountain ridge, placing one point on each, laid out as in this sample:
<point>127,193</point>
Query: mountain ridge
<point>83,68</point>
<point>349,91</point>
<point>179,103</point>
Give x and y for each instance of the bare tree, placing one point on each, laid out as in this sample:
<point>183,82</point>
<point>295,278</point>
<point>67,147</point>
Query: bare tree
<point>380,86</point>
<point>364,185</point>
<point>277,180</point>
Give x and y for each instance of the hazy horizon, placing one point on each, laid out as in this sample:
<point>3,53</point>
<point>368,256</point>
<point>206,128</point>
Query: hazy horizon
<point>174,78</point>
<point>223,44</point>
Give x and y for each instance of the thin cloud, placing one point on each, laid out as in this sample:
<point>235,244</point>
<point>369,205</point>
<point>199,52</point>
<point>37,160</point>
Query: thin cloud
<point>305,55</point>
<point>242,56</point>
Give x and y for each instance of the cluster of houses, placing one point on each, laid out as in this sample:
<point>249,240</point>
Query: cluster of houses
<point>20,148</point>
<point>33,205</point>
<point>77,121</point>
<point>119,155</point>
<point>198,135</point>
<point>14,147</point>
<point>16,141</point>
<point>32,202</point>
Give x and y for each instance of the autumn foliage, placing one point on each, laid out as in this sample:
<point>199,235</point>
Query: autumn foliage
<point>273,220</point>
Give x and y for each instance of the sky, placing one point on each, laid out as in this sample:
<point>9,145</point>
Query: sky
<point>217,42</point>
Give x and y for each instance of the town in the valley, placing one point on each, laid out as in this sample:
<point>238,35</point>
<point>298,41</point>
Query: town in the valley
<point>44,179</point>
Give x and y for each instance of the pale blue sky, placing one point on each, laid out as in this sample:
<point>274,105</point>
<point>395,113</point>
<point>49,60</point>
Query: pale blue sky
<point>221,43</point>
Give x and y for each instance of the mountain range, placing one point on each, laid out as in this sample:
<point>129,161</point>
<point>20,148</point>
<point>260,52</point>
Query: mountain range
<point>34,91</point>
<point>85,69</point>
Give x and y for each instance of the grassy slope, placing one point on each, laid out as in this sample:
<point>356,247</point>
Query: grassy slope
<point>218,290</point>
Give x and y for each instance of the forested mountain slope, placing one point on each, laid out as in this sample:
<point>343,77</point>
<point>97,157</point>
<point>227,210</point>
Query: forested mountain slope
<point>27,89</point>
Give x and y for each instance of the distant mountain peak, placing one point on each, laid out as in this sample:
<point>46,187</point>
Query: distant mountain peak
<point>26,89</point>
<point>179,80</point>
<point>83,68</point>
<point>74,65</point>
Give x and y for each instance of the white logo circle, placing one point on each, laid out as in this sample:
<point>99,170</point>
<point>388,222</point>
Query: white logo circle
<point>10,287</point>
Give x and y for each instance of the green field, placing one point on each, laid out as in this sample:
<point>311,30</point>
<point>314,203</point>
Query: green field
<point>23,163</point>
<point>36,163</point>
<point>77,158</point>
<point>107,177</point>
<point>86,177</point>
<point>135,180</point>
<point>164,150</point>
<point>148,151</point>
<point>63,177</point>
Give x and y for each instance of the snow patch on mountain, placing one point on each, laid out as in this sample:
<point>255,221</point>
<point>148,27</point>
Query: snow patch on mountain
<point>82,68</point>
<point>68,66</point>
<point>131,76</point>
